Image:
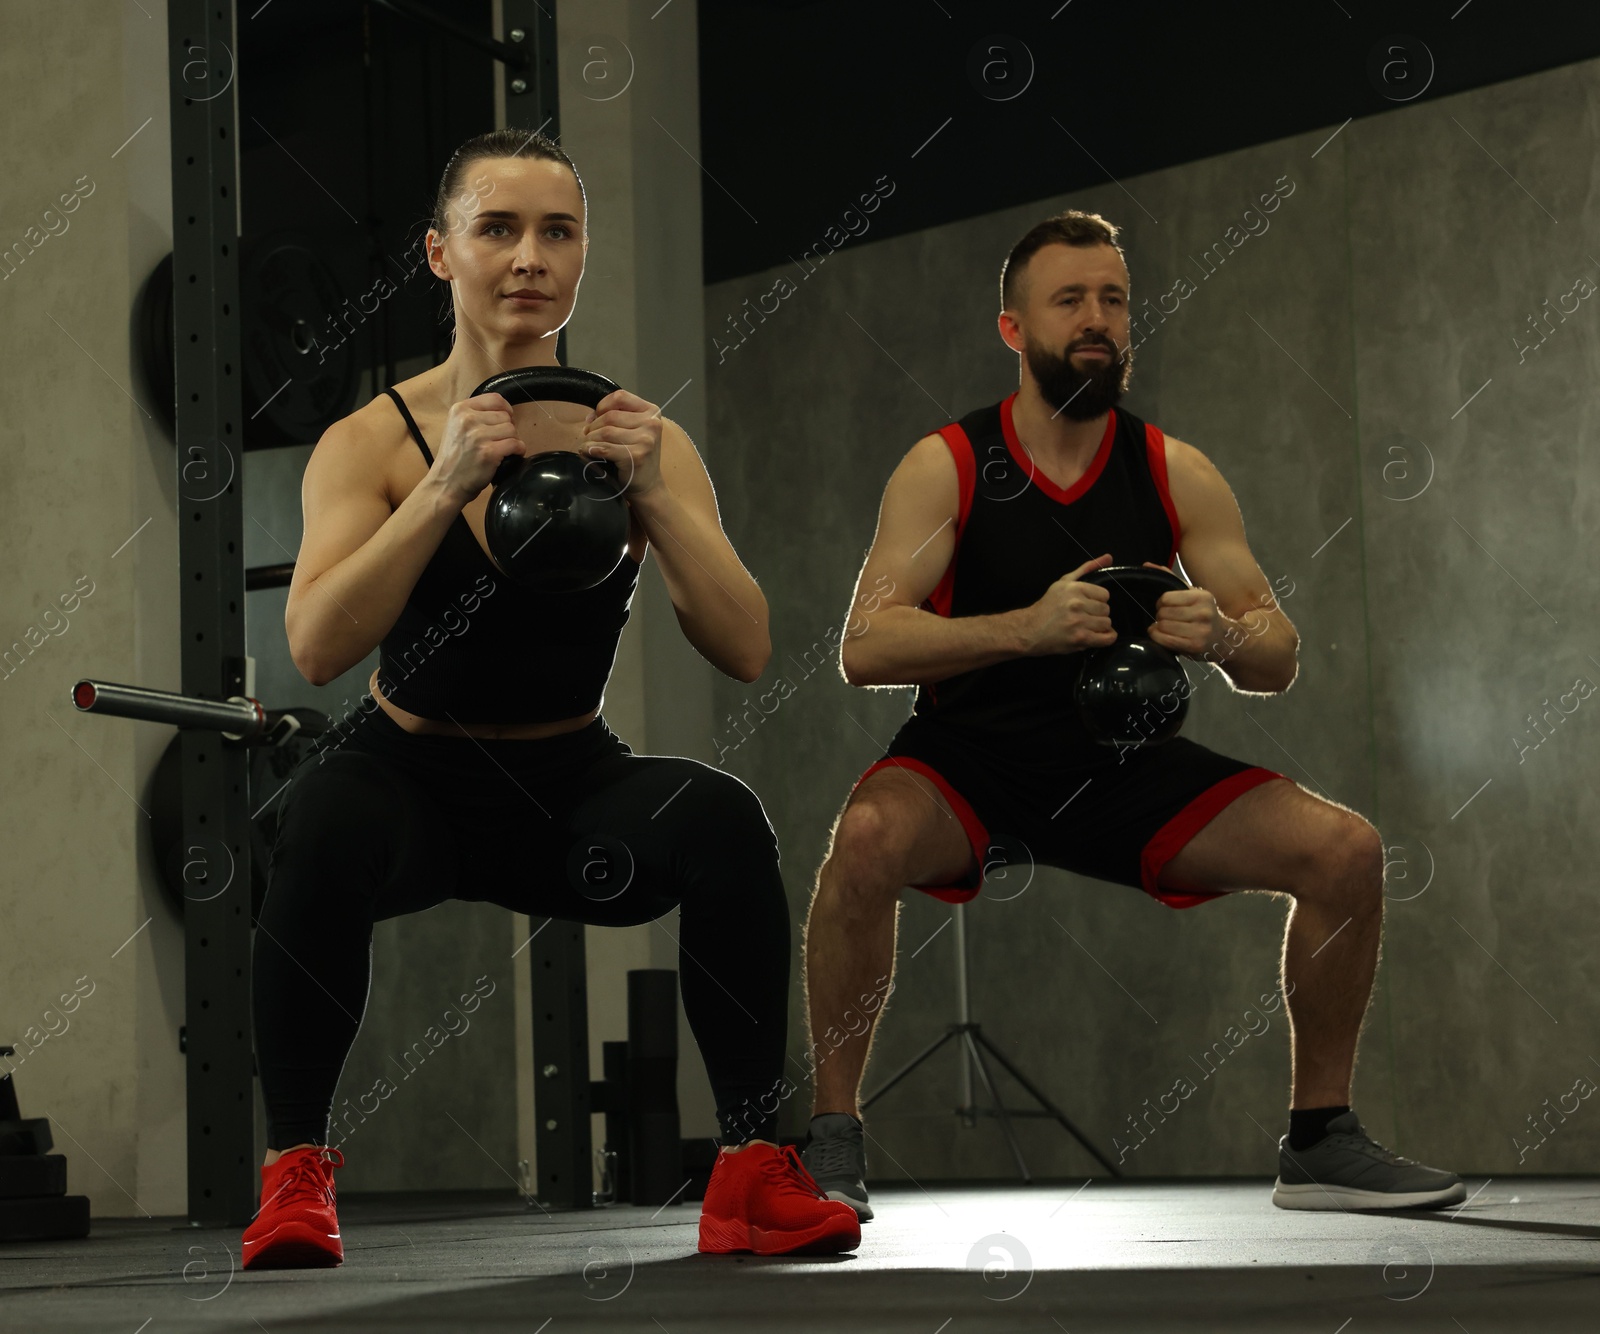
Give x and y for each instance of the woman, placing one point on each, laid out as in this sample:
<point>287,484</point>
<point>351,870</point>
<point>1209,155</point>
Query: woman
<point>480,767</point>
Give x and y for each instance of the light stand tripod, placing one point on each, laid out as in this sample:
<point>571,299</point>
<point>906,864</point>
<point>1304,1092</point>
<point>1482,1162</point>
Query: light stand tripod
<point>972,1044</point>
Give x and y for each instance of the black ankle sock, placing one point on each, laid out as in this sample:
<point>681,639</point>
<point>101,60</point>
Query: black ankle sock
<point>1308,1126</point>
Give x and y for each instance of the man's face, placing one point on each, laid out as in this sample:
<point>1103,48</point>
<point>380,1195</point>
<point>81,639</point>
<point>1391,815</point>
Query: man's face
<point>1073,325</point>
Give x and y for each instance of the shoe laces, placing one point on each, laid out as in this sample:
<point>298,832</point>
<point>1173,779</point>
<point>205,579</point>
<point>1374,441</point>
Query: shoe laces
<point>1364,1143</point>
<point>789,1174</point>
<point>307,1177</point>
<point>834,1155</point>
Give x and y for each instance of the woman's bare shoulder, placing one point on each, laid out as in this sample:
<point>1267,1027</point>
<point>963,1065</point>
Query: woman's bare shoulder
<point>375,439</point>
<point>379,419</point>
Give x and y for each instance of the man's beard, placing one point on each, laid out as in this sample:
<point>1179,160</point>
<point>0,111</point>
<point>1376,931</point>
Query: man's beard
<point>1079,395</point>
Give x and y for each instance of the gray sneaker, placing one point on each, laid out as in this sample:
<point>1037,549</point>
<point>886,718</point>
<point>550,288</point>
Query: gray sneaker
<point>836,1157</point>
<point>1349,1170</point>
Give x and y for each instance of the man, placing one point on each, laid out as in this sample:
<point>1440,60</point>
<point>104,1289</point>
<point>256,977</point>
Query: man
<point>986,531</point>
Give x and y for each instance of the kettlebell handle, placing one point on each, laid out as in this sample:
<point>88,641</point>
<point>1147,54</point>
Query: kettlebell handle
<point>533,384</point>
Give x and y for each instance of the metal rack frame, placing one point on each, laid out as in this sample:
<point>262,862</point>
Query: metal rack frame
<point>216,815</point>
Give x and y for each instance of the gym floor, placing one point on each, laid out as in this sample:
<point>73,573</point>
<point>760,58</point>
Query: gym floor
<point>1125,1256</point>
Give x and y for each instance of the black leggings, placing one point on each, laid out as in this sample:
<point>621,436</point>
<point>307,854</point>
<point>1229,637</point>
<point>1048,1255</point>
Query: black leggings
<point>380,823</point>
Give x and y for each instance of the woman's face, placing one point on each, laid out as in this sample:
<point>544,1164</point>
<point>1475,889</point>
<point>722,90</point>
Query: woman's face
<point>513,247</point>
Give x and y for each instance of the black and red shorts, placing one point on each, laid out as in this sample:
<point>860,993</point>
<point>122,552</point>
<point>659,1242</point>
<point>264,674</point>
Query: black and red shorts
<point>1110,819</point>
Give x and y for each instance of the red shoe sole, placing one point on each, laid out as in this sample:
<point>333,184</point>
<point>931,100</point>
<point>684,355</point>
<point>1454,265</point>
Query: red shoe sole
<point>293,1246</point>
<point>722,1236</point>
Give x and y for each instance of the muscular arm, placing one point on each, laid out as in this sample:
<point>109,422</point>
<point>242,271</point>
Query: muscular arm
<point>889,639</point>
<point>1257,646</point>
<point>358,561</point>
<point>720,608</point>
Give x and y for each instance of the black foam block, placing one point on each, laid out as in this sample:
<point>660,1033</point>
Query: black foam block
<point>47,1219</point>
<point>35,1174</point>
<point>29,1136</point>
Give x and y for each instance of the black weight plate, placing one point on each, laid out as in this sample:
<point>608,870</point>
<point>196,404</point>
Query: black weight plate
<point>152,332</point>
<point>301,341</point>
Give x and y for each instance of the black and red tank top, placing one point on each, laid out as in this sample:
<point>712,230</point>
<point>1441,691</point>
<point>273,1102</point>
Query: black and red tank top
<point>474,645</point>
<point>1017,532</point>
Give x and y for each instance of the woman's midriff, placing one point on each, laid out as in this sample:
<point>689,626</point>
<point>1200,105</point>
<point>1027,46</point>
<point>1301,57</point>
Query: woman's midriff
<point>485,731</point>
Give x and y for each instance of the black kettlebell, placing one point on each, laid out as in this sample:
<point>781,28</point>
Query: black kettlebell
<point>1133,692</point>
<point>556,520</point>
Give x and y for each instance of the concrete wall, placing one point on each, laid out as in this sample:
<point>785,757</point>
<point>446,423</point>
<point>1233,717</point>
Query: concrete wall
<point>1329,367</point>
<point>90,589</point>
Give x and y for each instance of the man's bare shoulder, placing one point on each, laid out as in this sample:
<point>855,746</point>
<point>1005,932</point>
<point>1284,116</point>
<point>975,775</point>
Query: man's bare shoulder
<point>1190,468</point>
<point>1181,454</point>
<point>929,457</point>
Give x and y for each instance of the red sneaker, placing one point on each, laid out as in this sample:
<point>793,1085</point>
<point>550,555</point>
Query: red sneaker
<point>762,1199</point>
<point>296,1227</point>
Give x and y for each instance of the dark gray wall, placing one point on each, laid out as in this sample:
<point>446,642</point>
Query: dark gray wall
<point>1324,367</point>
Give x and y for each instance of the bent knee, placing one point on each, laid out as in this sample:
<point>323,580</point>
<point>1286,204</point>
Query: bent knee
<point>690,804</point>
<point>733,810</point>
<point>1363,851</point>
<point>1351,859</point>
<point>870,851</point>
